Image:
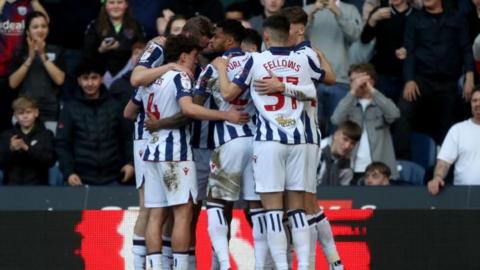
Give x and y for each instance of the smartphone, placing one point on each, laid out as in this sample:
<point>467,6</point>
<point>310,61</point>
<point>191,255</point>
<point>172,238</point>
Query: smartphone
<point>109,40</point>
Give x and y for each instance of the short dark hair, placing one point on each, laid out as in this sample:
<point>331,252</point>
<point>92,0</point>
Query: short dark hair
<point>237,7</point>
<point>364,67</point>
<point>295,14</point>
<point>176,45</point>
<point>253,37</point>
<point>350,129</point>
<point>198,26</point>
<point>279,25</point>
<point>380,167</point>
<point>88,66</point>
<point>233,28</point>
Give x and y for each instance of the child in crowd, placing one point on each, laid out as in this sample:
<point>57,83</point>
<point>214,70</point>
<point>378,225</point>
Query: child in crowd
<point>26,151</point>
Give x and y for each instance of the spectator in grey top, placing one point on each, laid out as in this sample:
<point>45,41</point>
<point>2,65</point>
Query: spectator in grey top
<point>370,109</point>
<point>269,7</point>
<point>334,26</point>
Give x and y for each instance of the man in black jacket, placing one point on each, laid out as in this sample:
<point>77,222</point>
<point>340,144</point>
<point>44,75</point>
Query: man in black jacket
<point>26,151</point>
<point>94,144</point>
<point>438,53</point>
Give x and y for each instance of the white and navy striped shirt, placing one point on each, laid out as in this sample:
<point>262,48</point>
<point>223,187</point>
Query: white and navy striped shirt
<point>139,131</point>
<point>208,85</point>
<point>312,129</point>
<point>160,99</point>
<point>151,57</point>
<point>279,117</point>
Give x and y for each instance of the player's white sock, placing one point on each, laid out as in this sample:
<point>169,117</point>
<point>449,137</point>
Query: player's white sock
<point>276,238</point>
<point>218,231</point>
<point>167,256</point>
<point>139,251</point>
<point>313,241</point>
<point>259,233</point>
<point>325,237</point>
<point>300,237</point>
<point>154,261</point>
<point>336,266</point>
<point>288,234</point>
<point>180,261</point>
<point>192,259</point>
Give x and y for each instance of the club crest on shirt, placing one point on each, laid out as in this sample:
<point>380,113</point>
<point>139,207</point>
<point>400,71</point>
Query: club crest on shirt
<point>185,81</point>
<point>185,170</point>
<point>22,10</point>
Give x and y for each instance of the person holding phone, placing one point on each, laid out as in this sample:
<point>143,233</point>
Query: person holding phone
<point>110,37</point>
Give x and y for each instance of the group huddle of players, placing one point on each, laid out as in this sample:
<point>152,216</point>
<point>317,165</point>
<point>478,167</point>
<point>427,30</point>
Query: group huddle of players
<point>254,137</point>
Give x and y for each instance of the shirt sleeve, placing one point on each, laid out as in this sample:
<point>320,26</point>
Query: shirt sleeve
<point>244,78</point>
<point>202,87</point>
<point>137,97</point>
<point>449,150</point>
<point>183,85</point>
<point>316,72</point>
<point>152,56</point>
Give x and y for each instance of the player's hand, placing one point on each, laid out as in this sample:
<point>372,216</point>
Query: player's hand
<point>236,115</point>
<point>379,14</point>
<point>74,180</point>
<point>220,63</point>
<point>411,91</point>
<point>269,86</point>
<point>180,68</point>
<point>128,172</point>
<point>401,53</point>
<point>435,184</point>
<point>151,124</point>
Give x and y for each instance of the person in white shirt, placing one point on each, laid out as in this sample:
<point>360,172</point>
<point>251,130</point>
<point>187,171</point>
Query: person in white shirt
<point>460,147</point>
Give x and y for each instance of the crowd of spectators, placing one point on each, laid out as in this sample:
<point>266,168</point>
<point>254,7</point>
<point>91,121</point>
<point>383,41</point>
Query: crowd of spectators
<point>65,70</point>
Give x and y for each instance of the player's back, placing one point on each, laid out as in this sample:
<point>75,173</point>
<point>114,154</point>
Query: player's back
<point>160,100</point>
<point>279,116</point>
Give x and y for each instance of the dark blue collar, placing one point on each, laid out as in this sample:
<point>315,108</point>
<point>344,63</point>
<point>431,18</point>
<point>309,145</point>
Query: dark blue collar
<point>233,52</point>
<point>305,43</point>
<point>280,50</point>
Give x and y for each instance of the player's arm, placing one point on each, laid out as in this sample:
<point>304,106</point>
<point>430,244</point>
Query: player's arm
<point>146,71</point>
<point>195,111</point>
<point>230,90</point>
<point>131,110</point>
<point>329,78</point>
<point>175,121</point>
<point>273,85</point>
<point>143,76</point>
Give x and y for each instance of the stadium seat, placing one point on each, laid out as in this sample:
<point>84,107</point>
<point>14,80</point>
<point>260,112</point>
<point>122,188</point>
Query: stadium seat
<point>424,150</point>
<point>411,172</point>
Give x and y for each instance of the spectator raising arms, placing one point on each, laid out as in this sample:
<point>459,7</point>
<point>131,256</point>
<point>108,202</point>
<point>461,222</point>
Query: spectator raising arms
<point>110,37</point>
<point>38,69</point>
<point>26,151</point>
<point>369,108</point>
